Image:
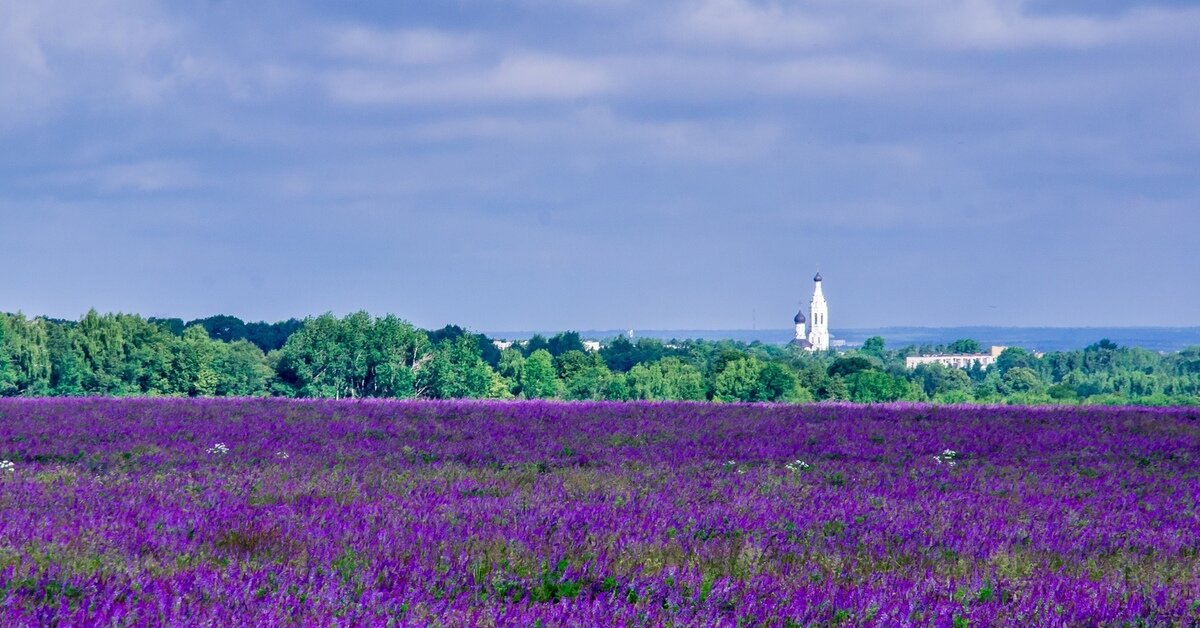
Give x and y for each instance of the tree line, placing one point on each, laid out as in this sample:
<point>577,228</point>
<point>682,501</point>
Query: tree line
<point>362,356</point>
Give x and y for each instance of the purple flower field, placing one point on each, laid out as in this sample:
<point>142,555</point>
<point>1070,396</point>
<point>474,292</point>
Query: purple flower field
<point>510,513</point>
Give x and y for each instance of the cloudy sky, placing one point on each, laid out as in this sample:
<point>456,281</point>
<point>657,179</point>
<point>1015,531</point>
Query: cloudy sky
<point>596,164</point>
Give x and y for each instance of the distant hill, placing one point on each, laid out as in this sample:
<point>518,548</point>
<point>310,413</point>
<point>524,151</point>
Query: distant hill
<point>1034,338</point>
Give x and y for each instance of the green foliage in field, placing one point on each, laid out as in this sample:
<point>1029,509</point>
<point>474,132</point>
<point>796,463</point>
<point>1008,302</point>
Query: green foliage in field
<point>359,356</point>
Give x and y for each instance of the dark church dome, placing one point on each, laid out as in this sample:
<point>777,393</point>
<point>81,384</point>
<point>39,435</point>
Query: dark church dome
<point>817,278</point>
<point>799,317</point>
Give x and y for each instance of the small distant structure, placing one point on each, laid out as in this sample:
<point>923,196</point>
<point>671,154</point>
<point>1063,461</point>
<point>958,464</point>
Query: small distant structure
<point>960,361</point>
<point>591,346</point>
<point>817,339</point>
<point>502,344</point>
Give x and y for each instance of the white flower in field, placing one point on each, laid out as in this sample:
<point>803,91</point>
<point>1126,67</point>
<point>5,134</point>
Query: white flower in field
<point>947,456</point>
<point>282,455</point>
<point>218,449</point>
<point>7,465</point>
<point>797,466</point>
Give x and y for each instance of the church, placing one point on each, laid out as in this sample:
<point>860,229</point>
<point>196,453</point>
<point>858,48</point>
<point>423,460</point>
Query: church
<point>817,338</point>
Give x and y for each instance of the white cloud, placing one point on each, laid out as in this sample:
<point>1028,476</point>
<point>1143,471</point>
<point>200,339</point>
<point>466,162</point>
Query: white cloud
<point>136,177</point>
<point>707,140</point>
<point>53,51</point>
<point>745,24</point>
<point>990,25</point>
<point>517,77</point>
<point>825,74</point>
<point>1000,25</point>
<point>414,47</point>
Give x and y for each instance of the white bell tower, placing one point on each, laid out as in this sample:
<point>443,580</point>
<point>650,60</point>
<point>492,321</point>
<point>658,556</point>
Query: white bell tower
<point>818,337</point>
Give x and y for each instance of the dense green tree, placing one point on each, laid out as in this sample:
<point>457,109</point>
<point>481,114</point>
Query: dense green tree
<point>584,375</point>
<point>874,346</point>
<point>192,371</point>
<point>668,378</point>
<point>173,325</point>
<point>538,378</point>
<point>777,382</point>
<point>1021,379</point>
<point>738,380</point>
<point>271,336</point>
<point>619,354</point>
<point>356,357</point>
<point>936,379</point>
<point>874,387</point>
<point>222,327</point>
<point>845,367</point>
<point>67,366</point>
<point>512,367</point>
<point>8,374</point>
<point>455,371</point>
<point>124,355</point>
<point>393,348</point>
<point>535,343</point>
<point>360,356</point>
<point>1186,361</point>
<point>24,356</point>
<point>564,342</point>
<point>484,345</point>
<point>965,346</point>
<point>501,387</point>
<point>1062,392</point>
<point>314,361</point>
<point>449,332</point>
<point>1013,357</point>
<point>618,388</point>
<point>241,370</point>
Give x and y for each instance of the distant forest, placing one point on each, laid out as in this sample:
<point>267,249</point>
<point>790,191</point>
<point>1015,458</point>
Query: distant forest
<point>359,356</point>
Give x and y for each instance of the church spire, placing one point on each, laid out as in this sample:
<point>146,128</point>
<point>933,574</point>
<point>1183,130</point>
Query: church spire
<point>818,336</point>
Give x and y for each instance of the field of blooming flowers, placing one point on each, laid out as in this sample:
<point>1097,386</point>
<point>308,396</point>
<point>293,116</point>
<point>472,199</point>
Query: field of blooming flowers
<point>468,513</point>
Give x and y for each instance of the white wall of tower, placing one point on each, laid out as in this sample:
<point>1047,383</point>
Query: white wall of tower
<point>818,310</point>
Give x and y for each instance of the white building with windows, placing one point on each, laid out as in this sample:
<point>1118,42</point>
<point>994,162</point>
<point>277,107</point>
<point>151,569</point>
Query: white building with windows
<point>817,336</point>
<point>959,361</point>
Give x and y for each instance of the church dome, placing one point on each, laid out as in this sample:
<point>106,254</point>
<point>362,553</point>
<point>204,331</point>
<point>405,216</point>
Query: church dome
<point>799,317</point>
<point>817,278</point>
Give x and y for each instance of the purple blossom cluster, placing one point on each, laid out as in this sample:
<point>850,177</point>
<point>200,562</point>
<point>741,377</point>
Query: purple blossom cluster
<point>153,511</point>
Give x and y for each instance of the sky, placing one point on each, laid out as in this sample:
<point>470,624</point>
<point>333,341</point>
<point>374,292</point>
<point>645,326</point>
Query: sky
<point>573,164</point>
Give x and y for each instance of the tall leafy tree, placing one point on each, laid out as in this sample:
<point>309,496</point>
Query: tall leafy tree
<point>24,356</point>
<point>564,342</point>
<point>222,327</point>
<point>536,342</point>
<point>965,346</point>
<point>738,381</point>
<point>584,375</point>
<point>777,382</point>
<point>67,364</point>
<point>455,370</point>
<point>668,378</point>
<point>356,356</point>
<point>512,368</point>
<point>538,378</point>
<point>241,370</point>
<point>874,386</point>
<point>8,372</point>
<point>192,371</point>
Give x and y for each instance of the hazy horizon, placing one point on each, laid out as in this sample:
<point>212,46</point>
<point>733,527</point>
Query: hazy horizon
<point>604,163</point>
